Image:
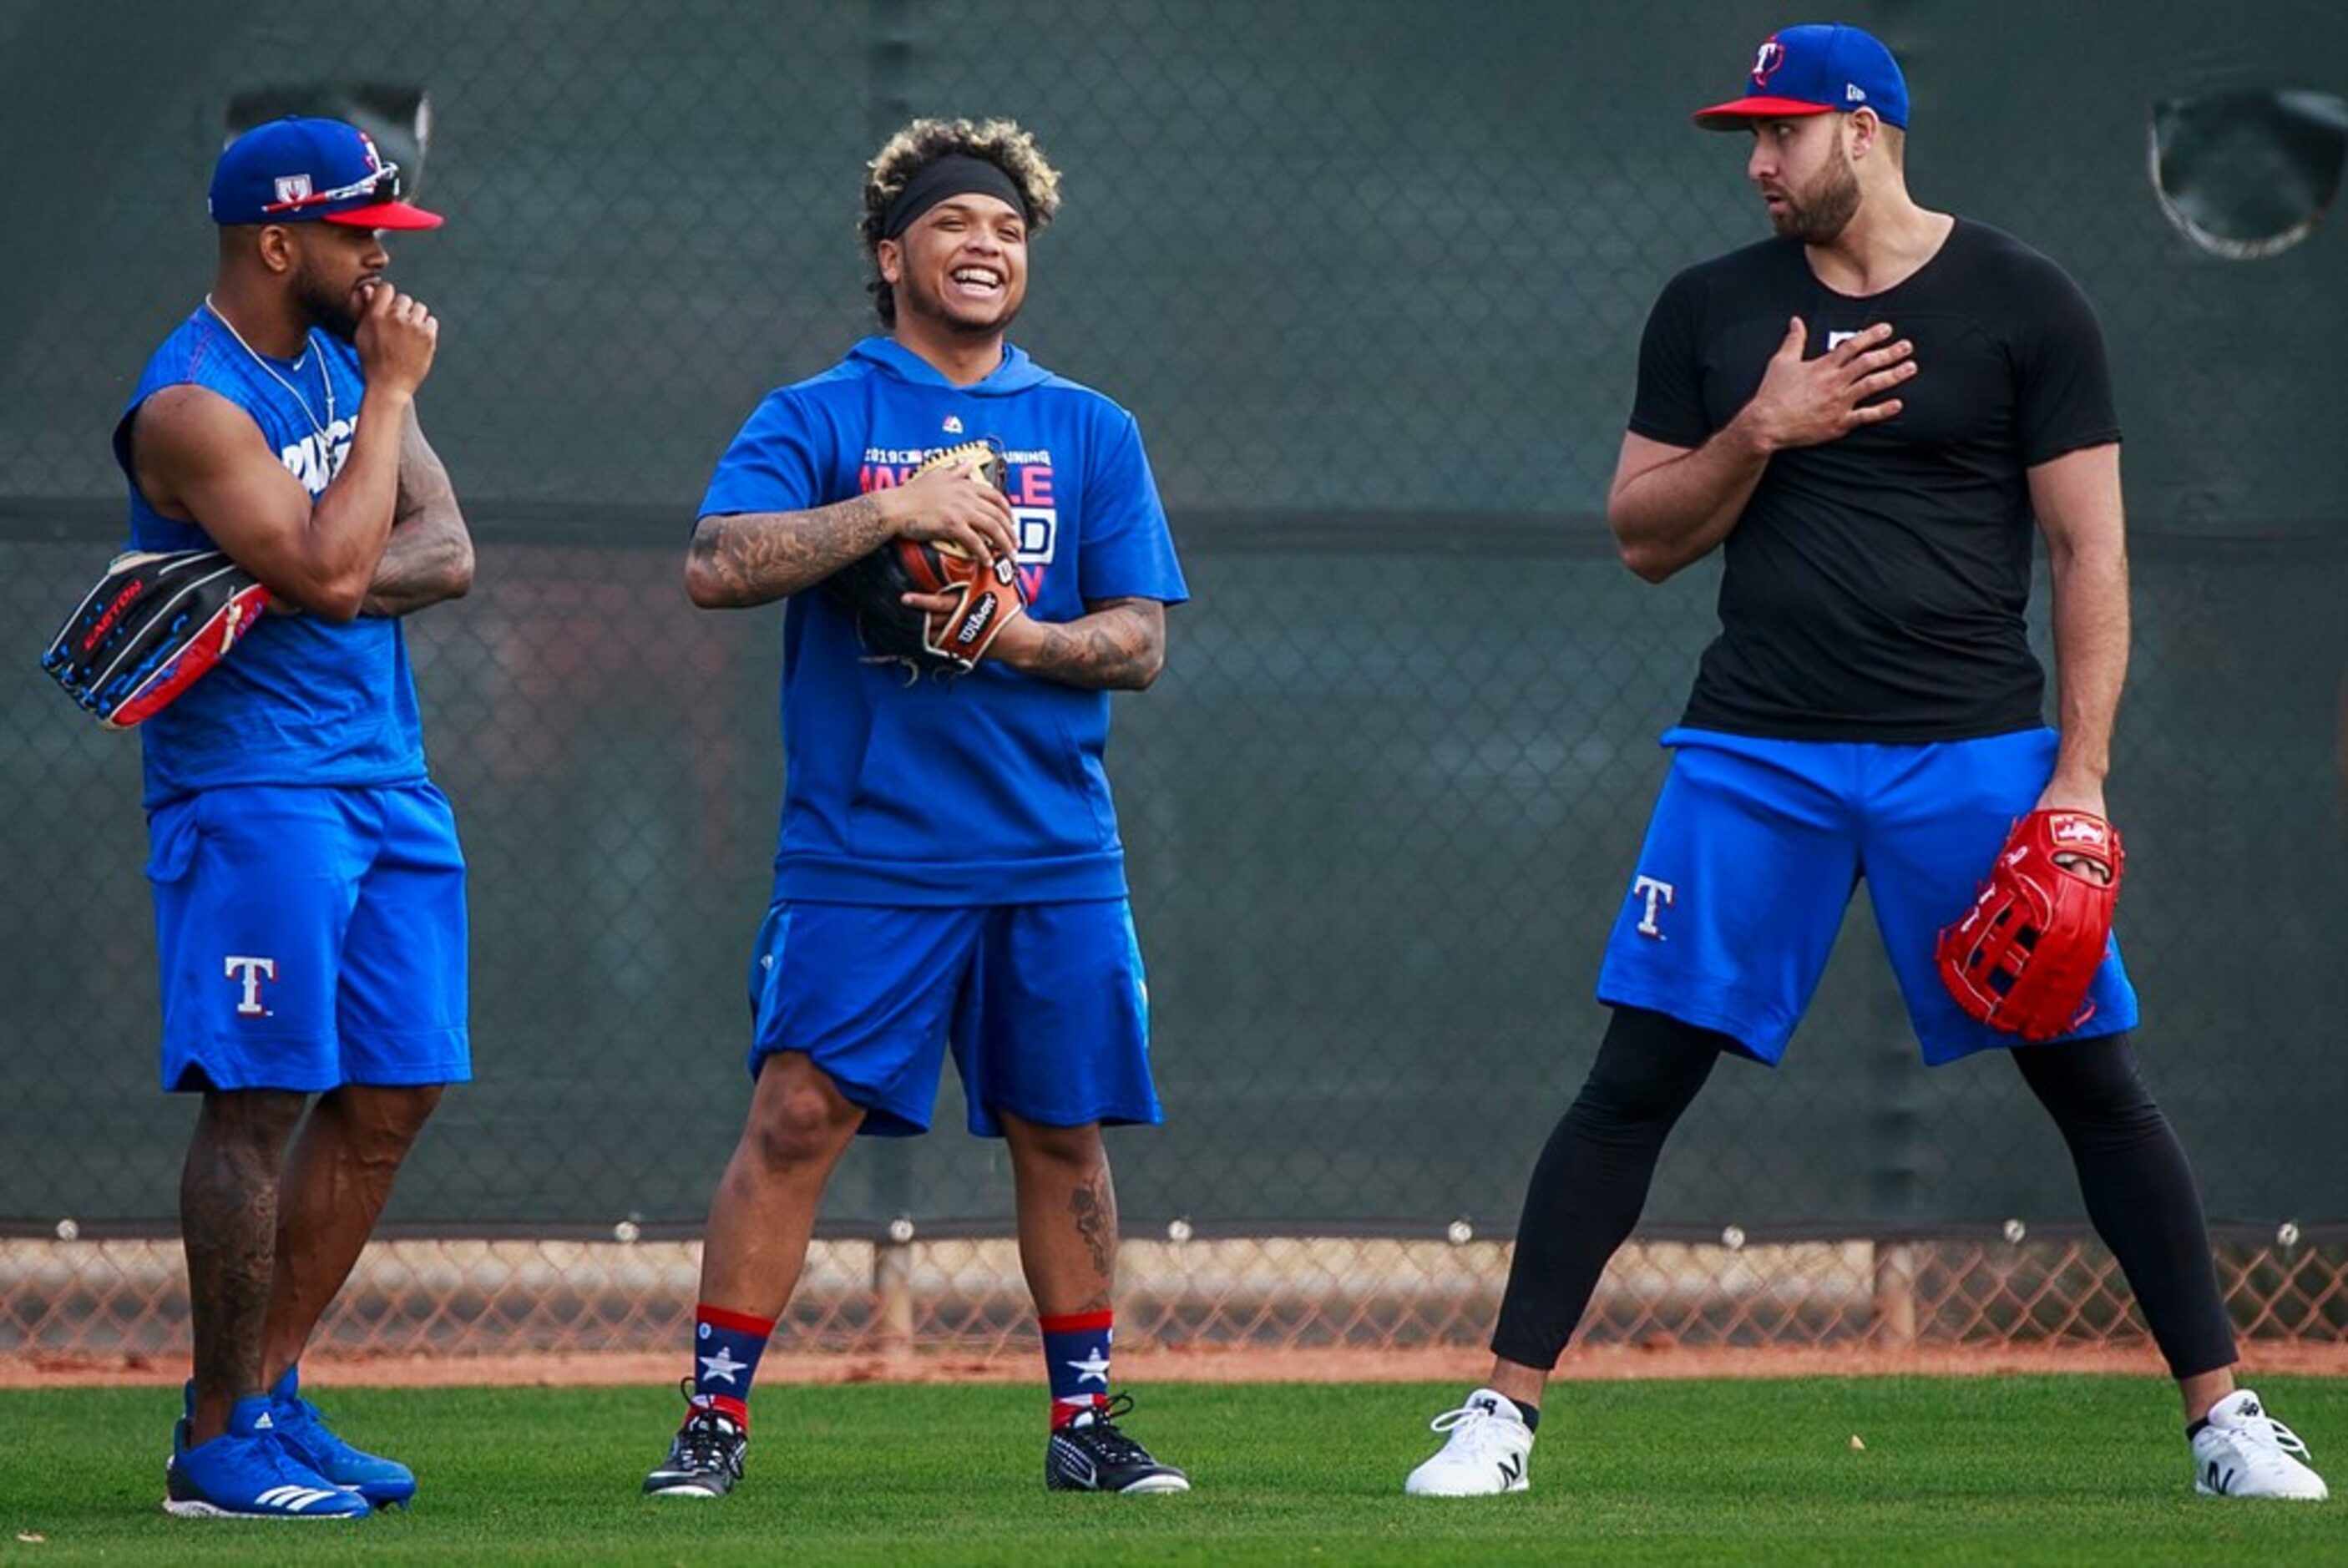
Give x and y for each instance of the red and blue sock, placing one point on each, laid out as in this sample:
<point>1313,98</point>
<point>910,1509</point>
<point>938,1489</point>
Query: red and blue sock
<point>1075,1358</point>
<point>725,1350</point>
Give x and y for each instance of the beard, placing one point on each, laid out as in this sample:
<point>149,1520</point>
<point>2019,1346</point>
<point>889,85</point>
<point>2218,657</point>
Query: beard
<point>327,310</point>
<point>917,299</point>
<point>1824,210</point>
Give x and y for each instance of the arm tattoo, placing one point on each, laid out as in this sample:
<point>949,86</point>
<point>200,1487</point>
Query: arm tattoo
<point>1120,645</point>
<point>758,557</point>
<point>428,556</point>
<point>421,564</point>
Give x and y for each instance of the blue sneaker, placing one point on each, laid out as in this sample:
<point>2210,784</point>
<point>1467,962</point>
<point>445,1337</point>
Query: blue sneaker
<point>304,1434</point>
<point>244,1473</point>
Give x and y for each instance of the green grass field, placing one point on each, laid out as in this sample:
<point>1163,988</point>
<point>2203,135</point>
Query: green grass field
<point>1985,1470</point>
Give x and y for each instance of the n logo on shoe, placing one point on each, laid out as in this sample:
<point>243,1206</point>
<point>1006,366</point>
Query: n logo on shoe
<point>1511,1470</point>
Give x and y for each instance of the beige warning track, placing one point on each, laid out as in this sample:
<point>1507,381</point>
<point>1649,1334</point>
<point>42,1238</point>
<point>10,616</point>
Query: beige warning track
<point>1141,1365</point>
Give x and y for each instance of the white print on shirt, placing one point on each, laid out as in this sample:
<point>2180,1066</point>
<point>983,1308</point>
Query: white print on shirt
<point>316,459</point>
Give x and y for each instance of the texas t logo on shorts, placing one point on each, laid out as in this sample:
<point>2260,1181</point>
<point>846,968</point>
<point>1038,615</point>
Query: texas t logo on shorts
<point>1658,895</point>
<point>252,972</point>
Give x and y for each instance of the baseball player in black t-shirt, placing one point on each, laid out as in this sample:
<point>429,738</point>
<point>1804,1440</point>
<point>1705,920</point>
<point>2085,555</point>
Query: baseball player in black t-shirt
<point>1865,415</point>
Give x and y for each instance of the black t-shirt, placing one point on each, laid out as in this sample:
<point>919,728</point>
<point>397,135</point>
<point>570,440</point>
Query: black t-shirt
<point>1875,586</point>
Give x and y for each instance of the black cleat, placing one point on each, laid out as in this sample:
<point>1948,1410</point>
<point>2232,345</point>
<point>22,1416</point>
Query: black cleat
<point>1090,1454</point>
<point>705,1461</point>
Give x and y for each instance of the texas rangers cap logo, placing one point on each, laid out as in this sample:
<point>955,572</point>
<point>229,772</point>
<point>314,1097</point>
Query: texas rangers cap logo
<point>1767,59</point>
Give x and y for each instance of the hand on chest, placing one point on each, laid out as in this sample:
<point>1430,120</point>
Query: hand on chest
<point>1962,390</point>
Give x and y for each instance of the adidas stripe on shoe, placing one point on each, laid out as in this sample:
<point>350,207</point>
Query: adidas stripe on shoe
<point>245,1473</point>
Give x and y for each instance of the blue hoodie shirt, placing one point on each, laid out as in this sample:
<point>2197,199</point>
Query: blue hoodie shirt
<point>989,788</point>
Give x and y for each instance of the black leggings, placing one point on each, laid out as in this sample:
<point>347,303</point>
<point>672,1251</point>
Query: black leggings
<point>1592,1180</point>
<point>2140,1193</point>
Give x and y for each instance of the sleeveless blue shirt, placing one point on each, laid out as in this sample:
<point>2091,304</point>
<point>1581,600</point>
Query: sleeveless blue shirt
<point>300,700</point>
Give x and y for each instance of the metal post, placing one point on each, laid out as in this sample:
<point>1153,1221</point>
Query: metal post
<point>1891,1321</point>
<point>888,66</point>
<point>1892,1120</point>
<point>892,1289</point>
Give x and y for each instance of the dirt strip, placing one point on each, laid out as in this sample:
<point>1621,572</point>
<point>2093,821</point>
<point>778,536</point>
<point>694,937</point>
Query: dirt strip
<point>1217,1365</point>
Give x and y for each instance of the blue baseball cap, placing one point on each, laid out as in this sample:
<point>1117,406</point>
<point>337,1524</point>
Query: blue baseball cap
<point>1820,67</point>
<point>299,171</point>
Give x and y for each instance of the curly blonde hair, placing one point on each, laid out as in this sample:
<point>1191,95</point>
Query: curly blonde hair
<point>1001,143</point>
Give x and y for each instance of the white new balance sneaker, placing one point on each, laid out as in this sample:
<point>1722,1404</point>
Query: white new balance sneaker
<point>1485,1455</point>
<point>2245,1452</point>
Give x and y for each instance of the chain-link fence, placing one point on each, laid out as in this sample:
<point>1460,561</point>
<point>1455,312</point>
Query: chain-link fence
<point>1372,276</point>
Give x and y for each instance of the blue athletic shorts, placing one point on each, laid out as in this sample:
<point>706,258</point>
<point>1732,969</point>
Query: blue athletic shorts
<point>1044,1005</point>
<point>1755,847</point>
<point>310,938</point>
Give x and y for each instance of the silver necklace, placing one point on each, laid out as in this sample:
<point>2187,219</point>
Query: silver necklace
<point>325,374</point>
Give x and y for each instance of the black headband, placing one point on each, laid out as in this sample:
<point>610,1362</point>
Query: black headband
<point>954,174</point>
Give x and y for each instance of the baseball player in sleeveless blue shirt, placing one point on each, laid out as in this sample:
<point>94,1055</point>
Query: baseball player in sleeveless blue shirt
<point>950,876</point>
<point>309,892</point>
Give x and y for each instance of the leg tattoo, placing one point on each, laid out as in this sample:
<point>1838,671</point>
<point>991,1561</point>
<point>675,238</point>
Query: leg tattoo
<point>228,1225</point>
<point>1093,1206</point>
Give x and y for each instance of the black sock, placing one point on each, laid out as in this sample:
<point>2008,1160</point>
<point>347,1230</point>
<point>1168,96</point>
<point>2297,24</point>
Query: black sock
<point>1531,1414</point>
<point>1591,1180</point>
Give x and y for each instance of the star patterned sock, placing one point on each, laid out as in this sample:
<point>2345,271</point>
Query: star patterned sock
<point>1075,1358</point>
<point>725,1350</point>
